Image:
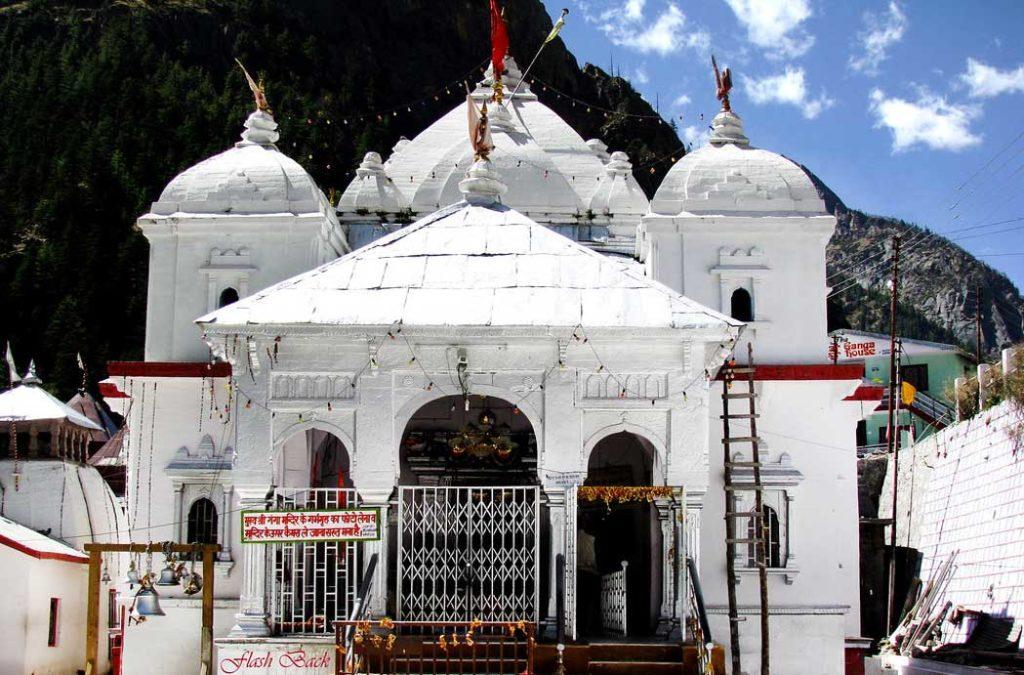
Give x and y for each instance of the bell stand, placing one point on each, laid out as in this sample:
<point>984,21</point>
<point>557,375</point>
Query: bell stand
<point>96,552</point>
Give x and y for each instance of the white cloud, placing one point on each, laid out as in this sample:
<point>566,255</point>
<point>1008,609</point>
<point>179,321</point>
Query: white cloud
<point>775,25</point>
<point>984,81</point>
<point>697,136</point>
<point>665,33</point>
<point>789,87</point>
<point>930,121</point>
<point>640,75</point>
<point>634,9</point>
<point>881,32</point>
<point>681,101</point>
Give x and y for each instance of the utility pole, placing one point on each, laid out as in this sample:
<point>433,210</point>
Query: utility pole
<point>977,322</point>
<point>893,447</point>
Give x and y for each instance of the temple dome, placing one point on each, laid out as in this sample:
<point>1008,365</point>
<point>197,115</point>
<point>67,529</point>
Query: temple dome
<point>549,169</point>
<point>730,177</point>
<point>254,177</point>
<point>372,190</point>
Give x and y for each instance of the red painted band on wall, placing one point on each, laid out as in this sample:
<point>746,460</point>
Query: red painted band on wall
<point>42,555</point>
<point>168,369</point>
<point>813,371</point>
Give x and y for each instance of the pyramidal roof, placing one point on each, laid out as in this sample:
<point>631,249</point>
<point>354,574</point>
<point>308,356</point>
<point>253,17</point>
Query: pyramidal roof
<point>474,263</point>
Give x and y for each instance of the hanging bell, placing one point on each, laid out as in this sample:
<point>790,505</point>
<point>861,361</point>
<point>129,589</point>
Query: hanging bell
<point>105,579</point>
<point>133,573</point>
<point>147,601</point>
<point>193,584</point>
<point>168,576</point>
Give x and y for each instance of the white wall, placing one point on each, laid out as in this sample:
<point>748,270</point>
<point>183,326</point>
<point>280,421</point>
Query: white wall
<point>24,621</point>
<point>818,591</point>
<point>165,415</point>
<point>186,275</point>
<point>963,489</point>
<point>779,260</point>
<point>169,645</point>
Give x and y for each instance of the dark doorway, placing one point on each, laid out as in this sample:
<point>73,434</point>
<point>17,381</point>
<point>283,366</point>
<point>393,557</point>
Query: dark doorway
<point>621,532</point>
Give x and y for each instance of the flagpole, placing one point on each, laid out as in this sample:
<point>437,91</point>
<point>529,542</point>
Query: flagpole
<point>551,36</point>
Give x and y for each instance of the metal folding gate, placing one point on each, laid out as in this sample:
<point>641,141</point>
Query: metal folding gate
<point>468,553</point>
<point>312,584</point>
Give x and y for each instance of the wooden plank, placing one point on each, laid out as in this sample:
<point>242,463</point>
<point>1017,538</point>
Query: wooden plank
<point>736,465</point>
<point>92,616</point>
<point>206,648</point>
<point>741,439</point>
<point>743,416</point>
<point>740,396</point>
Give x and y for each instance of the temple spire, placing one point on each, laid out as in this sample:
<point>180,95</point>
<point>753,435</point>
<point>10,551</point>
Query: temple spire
<point>723,84</point>
<point>260,126</point>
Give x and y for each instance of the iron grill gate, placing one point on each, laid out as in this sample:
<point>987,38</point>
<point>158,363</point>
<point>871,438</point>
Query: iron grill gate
<point>312,584</point>
<point>468,553</point>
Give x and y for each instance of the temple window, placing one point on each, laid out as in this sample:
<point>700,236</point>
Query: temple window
<point>741,305</point>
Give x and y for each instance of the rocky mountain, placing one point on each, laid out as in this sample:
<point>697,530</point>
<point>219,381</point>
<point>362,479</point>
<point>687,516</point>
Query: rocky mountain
<point>942,286</point>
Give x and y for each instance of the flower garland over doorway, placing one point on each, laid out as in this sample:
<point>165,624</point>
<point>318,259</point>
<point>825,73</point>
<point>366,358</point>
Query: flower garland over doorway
<point>624,494</point>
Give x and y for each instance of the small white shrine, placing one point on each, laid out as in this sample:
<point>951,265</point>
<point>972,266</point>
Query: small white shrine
<point>537,329</point>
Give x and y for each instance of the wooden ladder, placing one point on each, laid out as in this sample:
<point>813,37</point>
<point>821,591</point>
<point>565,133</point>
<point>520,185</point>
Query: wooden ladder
<point>730,371</point>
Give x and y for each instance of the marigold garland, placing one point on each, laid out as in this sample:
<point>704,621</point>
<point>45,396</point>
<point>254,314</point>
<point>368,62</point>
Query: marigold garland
<point>623,494</point>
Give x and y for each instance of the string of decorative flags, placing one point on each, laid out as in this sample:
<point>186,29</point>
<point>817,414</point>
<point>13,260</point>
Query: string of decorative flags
<point>456,88</point>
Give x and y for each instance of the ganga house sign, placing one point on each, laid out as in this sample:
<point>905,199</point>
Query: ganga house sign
<point>275,527</point>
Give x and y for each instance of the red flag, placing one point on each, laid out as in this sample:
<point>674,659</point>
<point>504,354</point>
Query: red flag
<point>499,40</point>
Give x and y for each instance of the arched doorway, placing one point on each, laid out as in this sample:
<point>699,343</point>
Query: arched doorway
<point>610,534</point>
<point>468,528</point>
<point>313,583</point>
<point>468,440</point>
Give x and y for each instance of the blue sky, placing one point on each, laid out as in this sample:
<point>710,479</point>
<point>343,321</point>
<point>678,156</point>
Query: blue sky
<point>906,109</point>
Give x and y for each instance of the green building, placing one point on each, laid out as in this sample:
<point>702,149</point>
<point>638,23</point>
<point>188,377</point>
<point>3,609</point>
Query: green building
<point>930,367</point>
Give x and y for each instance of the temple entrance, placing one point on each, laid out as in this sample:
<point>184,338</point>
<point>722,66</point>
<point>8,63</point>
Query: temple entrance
<point>619,570</point>
<point>468,530</point>
<point>469,440</point>
<point>312,584</point>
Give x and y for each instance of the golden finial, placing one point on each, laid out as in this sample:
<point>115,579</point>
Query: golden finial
<point>259,92</point>
<point>723,83</point>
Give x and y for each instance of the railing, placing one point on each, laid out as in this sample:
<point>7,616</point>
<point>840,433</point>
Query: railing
<point>312,584</point>
<point>697,620</point>
<point>613,600</point>
<point>931,410</point>
<point>388,647</point>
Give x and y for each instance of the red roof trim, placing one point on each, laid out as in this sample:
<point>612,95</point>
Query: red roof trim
<point>168,369</point>
<point>41,555</point>
<point>867,392</point>
<point>110,390</point>
<point>801,371</point>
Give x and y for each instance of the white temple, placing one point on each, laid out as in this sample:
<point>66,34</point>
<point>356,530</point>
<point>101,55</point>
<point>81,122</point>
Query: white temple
<point>537,301</point>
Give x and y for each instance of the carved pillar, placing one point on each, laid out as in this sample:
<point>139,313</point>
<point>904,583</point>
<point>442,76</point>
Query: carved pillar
<point>788,529</point>
<point>179,503</point>
<point>556,521</point>
<point>668,560</point>
<point>251,620</point>
<point>225,538</point>
<point>378,498</point>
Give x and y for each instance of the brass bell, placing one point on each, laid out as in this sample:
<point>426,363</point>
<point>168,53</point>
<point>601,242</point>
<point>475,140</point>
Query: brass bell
<point>133,573</point>
<point>147,601</point>
<point>194,583</point>
<point>168,576</point>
